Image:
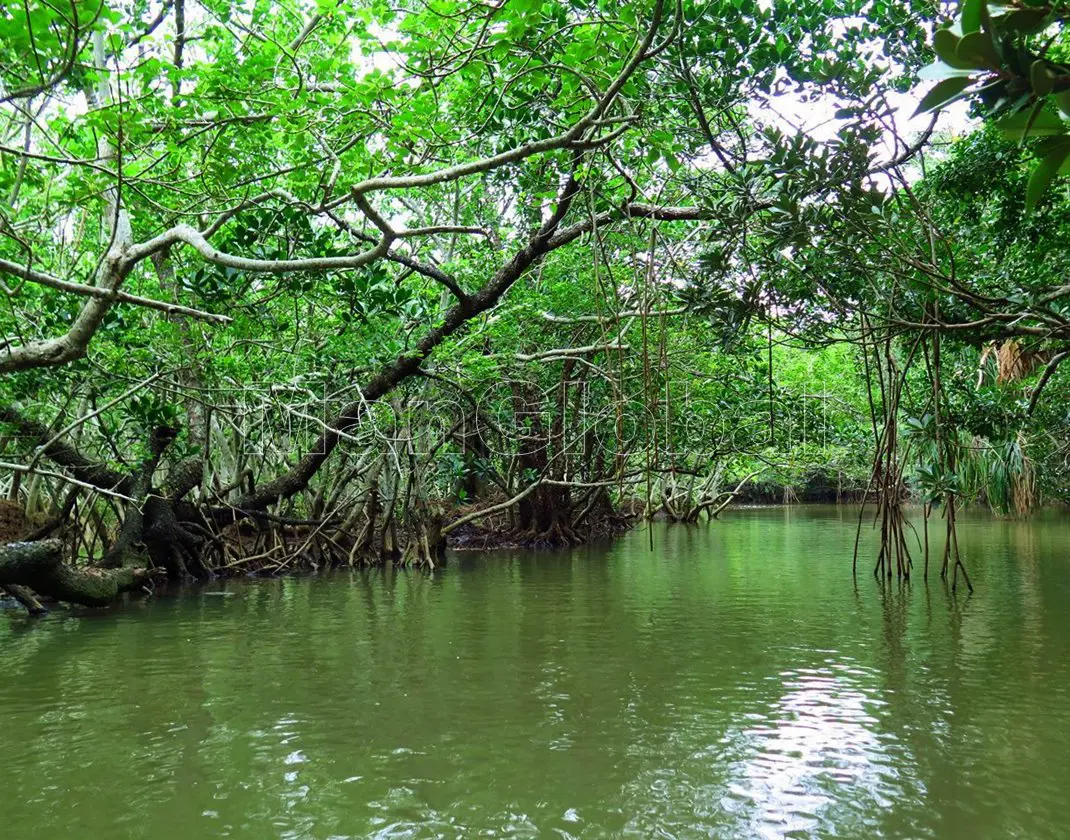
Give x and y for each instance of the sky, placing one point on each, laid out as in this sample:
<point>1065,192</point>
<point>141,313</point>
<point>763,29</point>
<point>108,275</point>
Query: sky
<point>817,117</point>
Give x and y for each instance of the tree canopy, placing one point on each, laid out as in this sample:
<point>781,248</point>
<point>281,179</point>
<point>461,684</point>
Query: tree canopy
<point>294,284</point>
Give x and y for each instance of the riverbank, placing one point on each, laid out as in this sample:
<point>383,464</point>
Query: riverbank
<point>818,487</point>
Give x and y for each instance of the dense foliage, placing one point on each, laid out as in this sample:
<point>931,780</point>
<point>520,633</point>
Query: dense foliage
<point>318,283</point>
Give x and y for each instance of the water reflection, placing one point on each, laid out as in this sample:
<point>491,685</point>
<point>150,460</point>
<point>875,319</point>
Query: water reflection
<point>817,756</point>
<point>734,682</point>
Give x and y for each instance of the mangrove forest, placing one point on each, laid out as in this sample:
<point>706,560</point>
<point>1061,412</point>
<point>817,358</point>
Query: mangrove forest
<point>521,418</point>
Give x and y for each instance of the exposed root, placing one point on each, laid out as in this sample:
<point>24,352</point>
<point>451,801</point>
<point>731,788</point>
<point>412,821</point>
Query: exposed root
<point>40,566</point>
<point>25,597</point>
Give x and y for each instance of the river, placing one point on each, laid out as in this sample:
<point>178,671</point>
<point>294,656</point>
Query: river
<point>733,681</point>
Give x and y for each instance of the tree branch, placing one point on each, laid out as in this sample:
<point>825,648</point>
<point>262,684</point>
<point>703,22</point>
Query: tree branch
<point>42,279</point>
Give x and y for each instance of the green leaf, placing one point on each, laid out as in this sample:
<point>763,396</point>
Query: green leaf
<point>978,49</point>
<point>1026,21</point>
<point>942,94</point>
<point>938,70</point>
<point>1048,144</point>
<point>945,44</point>
<point>1045,173</point>
<point>970,14</point>
<point>1043,123</point>
<point>1039,78</point>
<point>1034,112</point>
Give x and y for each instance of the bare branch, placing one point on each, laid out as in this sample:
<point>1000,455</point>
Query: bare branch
<point>42,279</point>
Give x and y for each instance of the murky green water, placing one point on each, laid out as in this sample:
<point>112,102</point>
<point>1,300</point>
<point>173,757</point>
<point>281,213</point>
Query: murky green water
<point>732,683</point>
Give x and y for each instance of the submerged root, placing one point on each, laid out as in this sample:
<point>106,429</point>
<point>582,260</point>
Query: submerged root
<point>177,545</point>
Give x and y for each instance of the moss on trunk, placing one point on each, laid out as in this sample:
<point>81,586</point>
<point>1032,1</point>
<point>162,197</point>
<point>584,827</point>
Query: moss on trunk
<point>40,566</point>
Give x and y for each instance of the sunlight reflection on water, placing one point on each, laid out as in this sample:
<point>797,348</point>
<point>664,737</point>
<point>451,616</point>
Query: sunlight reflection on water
<point>818,742</point>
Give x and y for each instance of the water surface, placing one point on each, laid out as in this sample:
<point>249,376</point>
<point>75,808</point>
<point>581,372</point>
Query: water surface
<point>731,682</point>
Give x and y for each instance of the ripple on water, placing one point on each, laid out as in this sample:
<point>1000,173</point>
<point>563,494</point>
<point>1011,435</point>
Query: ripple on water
<point>733,683</point>
<point>817,754</point>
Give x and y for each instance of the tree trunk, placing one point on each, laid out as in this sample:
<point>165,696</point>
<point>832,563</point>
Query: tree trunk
<point>40,566</point>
